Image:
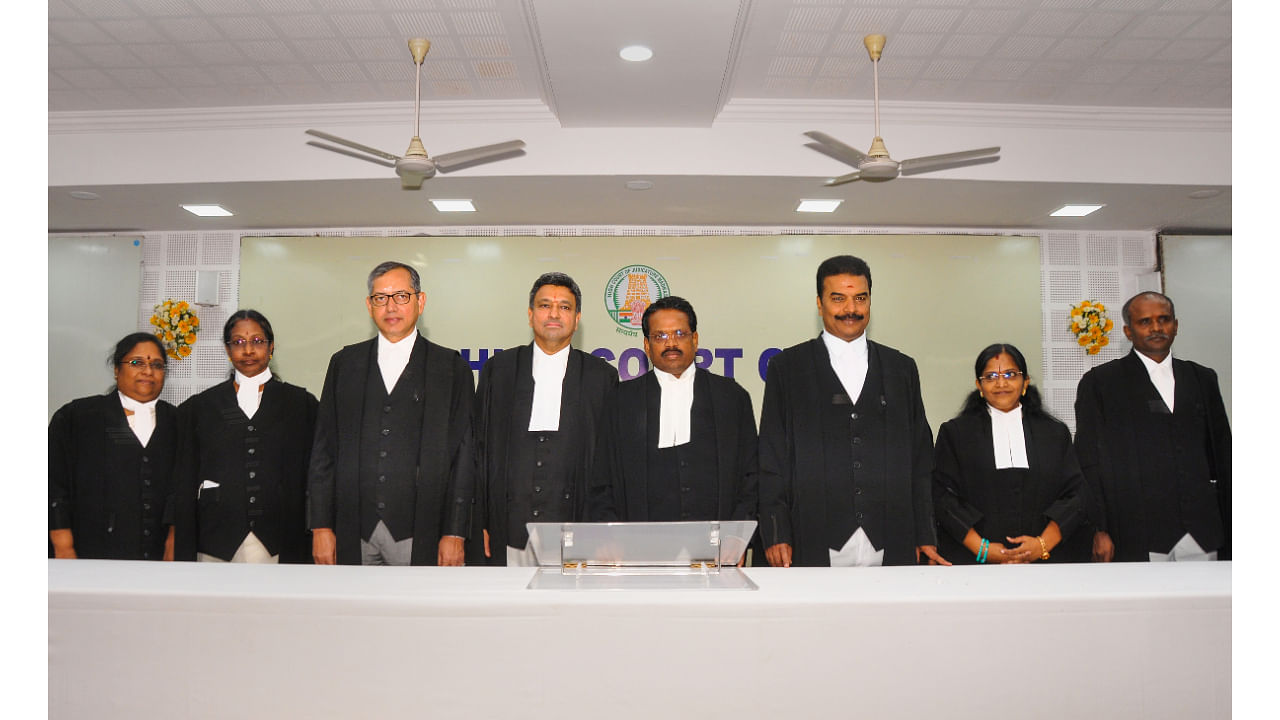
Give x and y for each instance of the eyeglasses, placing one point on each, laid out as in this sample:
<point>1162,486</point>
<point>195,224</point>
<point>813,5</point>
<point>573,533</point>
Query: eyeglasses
<point>156,365</point>
<point>993,376</point>
<point>661,336</point>
<point>401,298</point>
<point>239,343</point>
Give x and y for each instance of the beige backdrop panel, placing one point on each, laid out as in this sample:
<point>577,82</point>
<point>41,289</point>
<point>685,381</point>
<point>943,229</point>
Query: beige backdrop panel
<point>938,298</point>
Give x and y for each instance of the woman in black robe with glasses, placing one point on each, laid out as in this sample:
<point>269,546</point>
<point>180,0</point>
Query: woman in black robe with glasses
<point>1006,482</point>
<point>241,478</point>
<point>110,461</point>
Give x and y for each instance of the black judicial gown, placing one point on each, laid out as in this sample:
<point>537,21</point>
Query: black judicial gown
<point>104,486</point>
<point>969,492</point>
<point>259,465</point>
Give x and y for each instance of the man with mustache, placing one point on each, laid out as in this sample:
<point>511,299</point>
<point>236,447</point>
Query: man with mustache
<point>537,413</point>
<point>846,454</point>
<point>678,443</point>
<point>1155,447</point>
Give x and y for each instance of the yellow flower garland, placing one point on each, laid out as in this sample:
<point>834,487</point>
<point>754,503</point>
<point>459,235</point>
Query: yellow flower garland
<point>1090,324</point>
<point>176,325</point>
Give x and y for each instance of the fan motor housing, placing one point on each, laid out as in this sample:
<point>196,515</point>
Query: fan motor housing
<point>413,165</point>
<point>878,169</point>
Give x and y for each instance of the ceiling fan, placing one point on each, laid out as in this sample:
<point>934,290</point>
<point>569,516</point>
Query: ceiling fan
<point>415,166</point>
<point>876,165</point>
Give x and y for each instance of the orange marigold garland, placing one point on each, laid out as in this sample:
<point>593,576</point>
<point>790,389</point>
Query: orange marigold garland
<point>1090,324</point>
<point>176,325</point>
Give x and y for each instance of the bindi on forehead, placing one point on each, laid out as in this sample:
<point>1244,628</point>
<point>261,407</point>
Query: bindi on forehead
<point>1002,362</point>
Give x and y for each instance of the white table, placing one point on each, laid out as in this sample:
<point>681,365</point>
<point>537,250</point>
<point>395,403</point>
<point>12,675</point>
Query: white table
<point>188,640</point>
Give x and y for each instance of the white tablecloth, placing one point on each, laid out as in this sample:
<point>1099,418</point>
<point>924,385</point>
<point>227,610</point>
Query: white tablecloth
<point>188,640</point>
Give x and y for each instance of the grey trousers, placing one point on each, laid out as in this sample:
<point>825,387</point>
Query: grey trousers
<point>382,549</point>
<point>250,551</point>
<point>521,558</point>
<point>1187,550</point>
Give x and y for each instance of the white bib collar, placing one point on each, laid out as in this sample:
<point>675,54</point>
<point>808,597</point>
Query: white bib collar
<point>249,394</point>
<point>674,407</point>
<point>143,420</point>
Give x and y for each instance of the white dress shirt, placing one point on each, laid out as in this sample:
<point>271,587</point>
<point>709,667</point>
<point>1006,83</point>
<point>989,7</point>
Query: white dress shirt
<point>1007,438</point>
<point>548,381</point>
<point>675,407</point>
<point>393,358</point>
<point>143,420</point>
<point>249,394</point>
<point>849,360</point>
<point>1161,374</point>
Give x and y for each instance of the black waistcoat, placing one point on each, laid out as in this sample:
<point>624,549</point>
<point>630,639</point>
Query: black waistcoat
<point>683,481</point>
<point>539,488</point>
<point>855,494</point>
<point>1176,491</point>
<point>237,506</point>
<point>389,437</point>
<point>141,481</point>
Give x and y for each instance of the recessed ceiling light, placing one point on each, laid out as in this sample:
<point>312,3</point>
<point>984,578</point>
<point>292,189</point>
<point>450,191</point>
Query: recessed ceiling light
<point>208,210</point>
<point>818,205</point>
<point>635,53</point>
<point>1074,210</point>
<point>639,184</point>
<point>84,195</point>
<point>453,205</point>
<point>1197,195</point>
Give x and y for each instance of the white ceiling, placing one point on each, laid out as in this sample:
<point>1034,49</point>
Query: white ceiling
<point>150,100</point>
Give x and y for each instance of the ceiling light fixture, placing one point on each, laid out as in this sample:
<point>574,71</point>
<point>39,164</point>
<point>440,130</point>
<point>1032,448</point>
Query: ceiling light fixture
<point>84,195</point>
<point>818,206</point>
<point>453,205</point>
<point>635,53</point>
<point>1197,195</point>
<point>1074,210</point>
<point>639,184</point>
<point>208,210</point>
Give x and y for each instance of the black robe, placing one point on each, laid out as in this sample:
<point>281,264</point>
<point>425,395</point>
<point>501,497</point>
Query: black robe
<point>619,481</point>
<point>112,493</point>
<point>1149,476</point>
<point>504,399</point>
<point>445,478</point>
<point>264,492</point>
<point>796,465</point>
<point>969,492</point>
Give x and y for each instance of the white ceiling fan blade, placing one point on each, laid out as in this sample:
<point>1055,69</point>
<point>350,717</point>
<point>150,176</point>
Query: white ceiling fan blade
<point>953,165</point>
<point>955,159</point>
<point>363,148</point>
<point>477,155</point>
<point>832,147</point>
<point>844,178</point>
<point>348,153</point>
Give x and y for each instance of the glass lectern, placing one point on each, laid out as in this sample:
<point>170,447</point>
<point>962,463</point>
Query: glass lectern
<point>641,555</point>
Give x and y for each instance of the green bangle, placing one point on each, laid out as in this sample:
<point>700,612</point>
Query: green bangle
<point>982,550</point>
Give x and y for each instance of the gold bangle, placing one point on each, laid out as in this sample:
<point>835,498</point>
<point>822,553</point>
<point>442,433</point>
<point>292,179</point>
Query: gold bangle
<point>1044,552</point>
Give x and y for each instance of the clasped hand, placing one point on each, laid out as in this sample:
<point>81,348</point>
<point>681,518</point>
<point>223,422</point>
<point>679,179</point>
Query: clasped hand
<point>1021,549</point>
